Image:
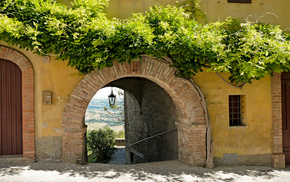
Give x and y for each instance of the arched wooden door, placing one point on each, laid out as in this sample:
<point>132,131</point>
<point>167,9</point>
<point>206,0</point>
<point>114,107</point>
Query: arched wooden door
<point>10,108</point>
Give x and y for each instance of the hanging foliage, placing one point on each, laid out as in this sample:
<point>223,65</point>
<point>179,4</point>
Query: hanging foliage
<point>84,36</point>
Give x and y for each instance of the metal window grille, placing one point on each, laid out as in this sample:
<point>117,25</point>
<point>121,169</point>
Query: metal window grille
<point>236,110</point>
<point>239,1</point>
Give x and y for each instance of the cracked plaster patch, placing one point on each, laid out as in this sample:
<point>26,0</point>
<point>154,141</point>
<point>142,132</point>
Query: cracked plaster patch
<point>45,125</point>
<point>56,130</point>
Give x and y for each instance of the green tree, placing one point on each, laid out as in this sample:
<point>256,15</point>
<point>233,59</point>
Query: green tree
<point>84,36</point>
<point>100,145</point>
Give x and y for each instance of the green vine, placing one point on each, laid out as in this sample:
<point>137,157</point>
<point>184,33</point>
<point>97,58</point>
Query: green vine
<point>192,8</point>
<point>84,36</point>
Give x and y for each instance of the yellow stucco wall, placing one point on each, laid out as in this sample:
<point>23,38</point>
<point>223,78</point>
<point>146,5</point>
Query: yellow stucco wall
<point>267,11</point>
<point>60,80</point>
<point>123,9</point>
<point>255,138</point>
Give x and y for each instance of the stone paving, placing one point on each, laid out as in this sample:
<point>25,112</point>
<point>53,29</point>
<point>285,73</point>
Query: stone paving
<point>119,157</point>
<point>156,171</point>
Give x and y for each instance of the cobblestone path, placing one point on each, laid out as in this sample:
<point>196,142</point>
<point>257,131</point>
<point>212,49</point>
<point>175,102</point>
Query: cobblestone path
<point>156,171</point>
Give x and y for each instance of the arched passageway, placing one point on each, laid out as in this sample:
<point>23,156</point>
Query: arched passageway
<point>189,111</point>
<point>150,117</point>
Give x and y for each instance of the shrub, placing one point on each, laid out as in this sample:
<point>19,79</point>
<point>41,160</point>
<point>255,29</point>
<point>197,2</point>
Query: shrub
<point>100,145</point>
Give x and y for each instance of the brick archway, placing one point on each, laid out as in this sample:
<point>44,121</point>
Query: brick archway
<point>27,99</point>
<point>191,118</point>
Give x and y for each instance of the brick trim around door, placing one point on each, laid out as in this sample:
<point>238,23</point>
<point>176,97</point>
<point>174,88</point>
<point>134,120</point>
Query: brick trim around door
<point>278,158</point>
<point>24,64</point>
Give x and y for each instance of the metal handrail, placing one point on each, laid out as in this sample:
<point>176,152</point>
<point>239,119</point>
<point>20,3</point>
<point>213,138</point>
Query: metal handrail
<point>130,145</point>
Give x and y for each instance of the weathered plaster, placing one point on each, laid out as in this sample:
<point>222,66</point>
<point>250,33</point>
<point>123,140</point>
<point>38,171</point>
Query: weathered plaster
<point>253,139</point>
<point>49,148</point>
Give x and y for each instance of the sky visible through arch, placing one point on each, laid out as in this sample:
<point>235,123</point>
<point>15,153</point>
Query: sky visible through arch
<point>97,117</point>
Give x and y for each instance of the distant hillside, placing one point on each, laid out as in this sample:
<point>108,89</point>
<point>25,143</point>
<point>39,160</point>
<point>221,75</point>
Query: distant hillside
<point>96,117</point>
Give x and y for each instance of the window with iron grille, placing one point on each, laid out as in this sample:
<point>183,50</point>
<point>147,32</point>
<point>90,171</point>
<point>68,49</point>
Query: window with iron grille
<point>237,110</point>
<point>239,1</point>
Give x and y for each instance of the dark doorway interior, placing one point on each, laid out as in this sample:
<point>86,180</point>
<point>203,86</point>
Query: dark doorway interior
<point>150,117</point>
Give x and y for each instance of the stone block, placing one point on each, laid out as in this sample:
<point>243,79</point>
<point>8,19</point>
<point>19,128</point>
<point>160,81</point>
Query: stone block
<point>230,159</point>
<point>278,160</point>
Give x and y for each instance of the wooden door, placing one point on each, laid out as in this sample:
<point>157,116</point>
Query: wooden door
<point>10,108</point>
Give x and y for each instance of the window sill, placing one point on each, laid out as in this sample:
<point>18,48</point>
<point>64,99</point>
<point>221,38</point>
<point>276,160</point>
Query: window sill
<point>239,126</point>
